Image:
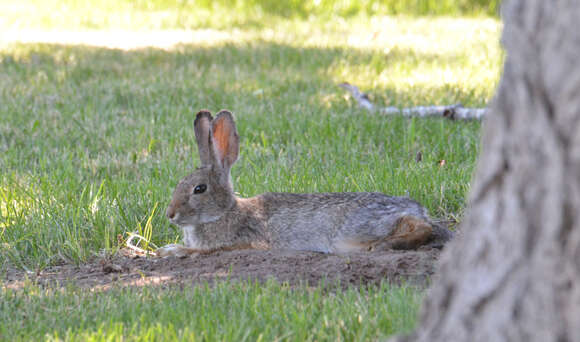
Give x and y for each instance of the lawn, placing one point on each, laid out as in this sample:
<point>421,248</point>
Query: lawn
<point>94,136</point>
<point>227,312</point>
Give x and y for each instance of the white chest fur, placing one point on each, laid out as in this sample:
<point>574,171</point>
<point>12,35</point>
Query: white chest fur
<point>189,237</point>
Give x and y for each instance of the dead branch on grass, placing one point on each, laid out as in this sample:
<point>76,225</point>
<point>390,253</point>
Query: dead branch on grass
<point>452,112</point>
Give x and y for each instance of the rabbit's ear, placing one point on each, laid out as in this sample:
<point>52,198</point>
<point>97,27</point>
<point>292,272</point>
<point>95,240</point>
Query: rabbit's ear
<point>202,126</point>
<point>225,140</point>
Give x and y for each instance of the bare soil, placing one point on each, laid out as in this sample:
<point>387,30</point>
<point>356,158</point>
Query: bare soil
<point>294,268</point>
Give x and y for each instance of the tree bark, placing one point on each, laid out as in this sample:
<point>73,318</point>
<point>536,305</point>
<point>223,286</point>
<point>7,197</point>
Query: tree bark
<point>513,274</point>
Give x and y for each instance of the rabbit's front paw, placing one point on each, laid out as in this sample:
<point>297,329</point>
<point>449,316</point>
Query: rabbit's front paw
<point>174,250</point>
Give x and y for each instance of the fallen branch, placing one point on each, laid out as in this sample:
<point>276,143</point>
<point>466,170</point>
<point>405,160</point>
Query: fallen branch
<point>453,112</point>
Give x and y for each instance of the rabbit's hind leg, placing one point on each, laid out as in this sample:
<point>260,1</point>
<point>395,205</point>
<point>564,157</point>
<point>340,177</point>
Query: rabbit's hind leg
<point>410,232</point>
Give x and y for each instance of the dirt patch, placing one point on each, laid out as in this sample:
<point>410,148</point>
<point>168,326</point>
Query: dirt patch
<point>412,267</point>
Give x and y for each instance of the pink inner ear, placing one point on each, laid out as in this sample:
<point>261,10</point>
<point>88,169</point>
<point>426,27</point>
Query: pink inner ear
<point>221,137</point>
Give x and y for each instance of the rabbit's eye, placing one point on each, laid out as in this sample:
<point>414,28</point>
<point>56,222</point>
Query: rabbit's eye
<point>200,189</point>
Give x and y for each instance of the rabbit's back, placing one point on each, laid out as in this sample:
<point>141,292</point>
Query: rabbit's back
<point>331,222</point>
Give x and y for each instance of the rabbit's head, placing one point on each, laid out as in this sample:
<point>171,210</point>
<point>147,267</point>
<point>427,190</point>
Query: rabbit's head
<point>207,193</point>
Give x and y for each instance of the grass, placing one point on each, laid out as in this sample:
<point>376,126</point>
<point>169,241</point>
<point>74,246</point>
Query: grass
<point>226,312</point>
<point>221,14</point>
<point>93,140</point>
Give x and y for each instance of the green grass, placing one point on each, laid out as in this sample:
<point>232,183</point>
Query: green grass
<point>226,312</point>
<point>94,139</point>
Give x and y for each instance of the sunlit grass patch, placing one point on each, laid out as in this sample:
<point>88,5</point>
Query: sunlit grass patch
<point>196,14</point>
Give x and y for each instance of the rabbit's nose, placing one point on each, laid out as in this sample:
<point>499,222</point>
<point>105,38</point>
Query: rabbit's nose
<point>170,213</point>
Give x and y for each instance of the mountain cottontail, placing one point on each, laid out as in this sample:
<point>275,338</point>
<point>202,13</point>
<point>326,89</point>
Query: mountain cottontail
<point>213,218</point>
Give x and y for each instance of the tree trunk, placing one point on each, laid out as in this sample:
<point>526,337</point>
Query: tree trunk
<point>514,272</point>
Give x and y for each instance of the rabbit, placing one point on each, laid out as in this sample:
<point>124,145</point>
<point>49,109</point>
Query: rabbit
<point>213,218</point>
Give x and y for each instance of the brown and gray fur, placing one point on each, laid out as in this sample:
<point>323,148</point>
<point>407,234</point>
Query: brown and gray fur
<point>216,219</point>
